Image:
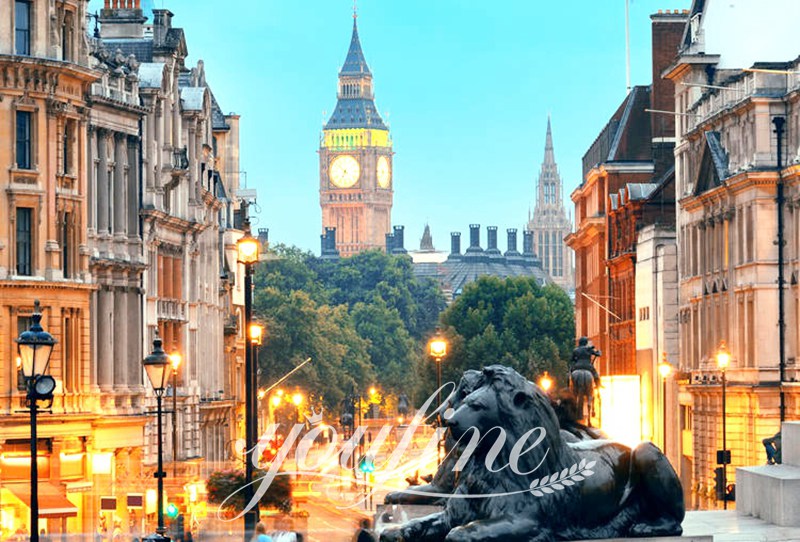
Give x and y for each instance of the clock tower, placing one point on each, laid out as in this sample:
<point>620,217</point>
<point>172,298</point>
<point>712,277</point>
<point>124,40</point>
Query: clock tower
<point>355,161</point>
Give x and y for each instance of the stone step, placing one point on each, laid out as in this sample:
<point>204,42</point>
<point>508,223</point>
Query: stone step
<point>770,492</point>
<point>790,443</point>
<point>657,539</point>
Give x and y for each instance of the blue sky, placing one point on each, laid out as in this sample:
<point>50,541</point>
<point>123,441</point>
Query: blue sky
<point>466,86</point>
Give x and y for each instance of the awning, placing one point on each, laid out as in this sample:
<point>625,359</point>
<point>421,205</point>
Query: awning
<point>53,503</point>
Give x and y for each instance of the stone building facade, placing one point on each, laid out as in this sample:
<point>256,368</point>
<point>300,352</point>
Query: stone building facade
<point>45,79</point>
<point>728,100</point>
<point>355,162</point>
<point>550,223</point>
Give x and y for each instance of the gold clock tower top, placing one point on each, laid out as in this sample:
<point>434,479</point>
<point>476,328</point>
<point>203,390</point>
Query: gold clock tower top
<point>356,184</point>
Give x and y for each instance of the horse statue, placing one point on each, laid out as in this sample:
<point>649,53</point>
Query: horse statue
<point>402,405</point>
<point>583,376</point>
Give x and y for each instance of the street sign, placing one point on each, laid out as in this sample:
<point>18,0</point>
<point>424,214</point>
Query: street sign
<point>723,457</point>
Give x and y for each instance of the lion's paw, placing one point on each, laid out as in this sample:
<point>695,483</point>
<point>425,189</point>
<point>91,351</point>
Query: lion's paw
<point>392,535</point>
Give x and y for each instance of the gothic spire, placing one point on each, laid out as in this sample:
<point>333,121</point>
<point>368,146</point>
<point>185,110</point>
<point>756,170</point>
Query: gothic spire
<point>355,63</point>
<point>549,155</point>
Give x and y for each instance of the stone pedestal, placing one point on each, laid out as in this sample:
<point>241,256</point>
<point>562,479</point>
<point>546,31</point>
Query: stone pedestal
<point>772,492</point>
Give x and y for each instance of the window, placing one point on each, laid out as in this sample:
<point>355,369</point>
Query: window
<point>67,147</point>
<point>24,241</point>
<point>24,160</point>
<point>22,27</point>
<point>67,246</point>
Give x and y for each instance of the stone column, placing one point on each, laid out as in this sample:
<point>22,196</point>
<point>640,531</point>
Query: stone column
<point>120,350</point>
<point>134,328</point>
<point>105,339</point>
<point>120,188</point>
<point>102,181</point>
<point>91,186</point>
<point>133,187</point>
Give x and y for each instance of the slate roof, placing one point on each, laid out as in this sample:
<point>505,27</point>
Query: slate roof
<point>355,63</point>
<point>218,121</point>
<point>141,48</point>
<point>151,74</point>
<point>355,113</point>
<point>192,98</point>
<point>637,191</point>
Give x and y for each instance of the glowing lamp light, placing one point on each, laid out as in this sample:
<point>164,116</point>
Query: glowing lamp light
<point>256,334</point>
<point>664,367</point>
<point>175,361</point>
<point>546,382</point>
<point>157,367</point>
<point>297,399</point>
<point>261,394</point>
<point>276,400</point>
<point>437,347</point>
<point>723,356</point>
<point>373,391</point>
<point>247,249</point>
<point>101,462</point>
<point>172,510</point>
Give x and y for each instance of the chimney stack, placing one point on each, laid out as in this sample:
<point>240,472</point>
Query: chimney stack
<point>162,23</point>
<point>474,239</point>
<point>512,243</point>
<point>527,246</point>
<point>389,243</point>
<point>491,242</point>
<point>455,246</point>
<point>399,241</point>
<point>329,251</point>
<point>121,19</point>
<point>263,238</point>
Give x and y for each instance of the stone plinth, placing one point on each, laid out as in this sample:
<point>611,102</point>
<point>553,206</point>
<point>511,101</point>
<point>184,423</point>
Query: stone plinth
<point>790,443</point>
<point>772,492</point>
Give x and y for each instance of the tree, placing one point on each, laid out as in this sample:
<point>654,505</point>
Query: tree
<point>512,321</point>
<point>228,487</point>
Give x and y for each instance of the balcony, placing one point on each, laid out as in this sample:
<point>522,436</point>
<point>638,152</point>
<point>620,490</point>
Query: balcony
<point>171,309</point>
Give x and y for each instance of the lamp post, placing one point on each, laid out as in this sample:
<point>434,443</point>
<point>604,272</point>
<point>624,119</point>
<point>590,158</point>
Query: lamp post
<point>247,252</point>
<point>664,369</point>
<point>546,383</point>
<point>723,360</point>
<point>175,361</point>
<point>256,333</point>
<point>34,347</point>
<point>297,400</point>
<point>437,348</point>
<point>157,366</point>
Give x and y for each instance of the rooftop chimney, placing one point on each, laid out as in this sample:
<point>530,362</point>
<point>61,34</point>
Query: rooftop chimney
<point>455,246</point>
<point>474,239</point>
<point>491,243</point>
<point>122,19</point>
<point>162,22</point>
<point>329,251</point>
<point>399,241</point>
<point>263,238</point>
<point>512,244</point>
<point>389,243</point>
<point>527,246</point>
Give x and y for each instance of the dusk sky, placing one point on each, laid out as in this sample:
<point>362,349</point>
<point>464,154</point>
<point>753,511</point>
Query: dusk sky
<point>466,87</point>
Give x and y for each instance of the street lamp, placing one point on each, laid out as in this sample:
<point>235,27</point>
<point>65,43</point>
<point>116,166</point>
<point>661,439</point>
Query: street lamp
<point>34,347</point>
<point>545,382</point>
<point>157,366</point>
<point>723,360</point>
<point>175,362</point>
<point>664,369</point>
<point>437,348</point>
<point>247,254</point>
<point>256,334</point>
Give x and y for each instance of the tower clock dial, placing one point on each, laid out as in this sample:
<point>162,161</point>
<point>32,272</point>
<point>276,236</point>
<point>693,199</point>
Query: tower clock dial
<point>344,171</point>
<point>384,174</point>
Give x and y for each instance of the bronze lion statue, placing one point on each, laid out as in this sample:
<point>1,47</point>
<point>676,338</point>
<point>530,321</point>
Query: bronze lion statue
<point>535,485</point>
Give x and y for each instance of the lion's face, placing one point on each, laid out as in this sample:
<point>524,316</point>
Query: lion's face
<point>479,409</point>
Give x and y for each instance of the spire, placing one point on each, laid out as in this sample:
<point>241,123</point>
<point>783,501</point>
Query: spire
<point>355,63</point>
<point>549,156</point>
<point>426,243</point>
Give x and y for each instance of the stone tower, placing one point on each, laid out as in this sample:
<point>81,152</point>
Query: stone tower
<point>355,161</point>
<point>550,223</point>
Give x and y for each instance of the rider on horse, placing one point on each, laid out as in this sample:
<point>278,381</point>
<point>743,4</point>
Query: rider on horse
<point>582,358</point>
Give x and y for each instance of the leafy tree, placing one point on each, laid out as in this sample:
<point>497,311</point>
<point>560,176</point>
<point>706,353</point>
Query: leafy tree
<point>511,321</point>
<point>227,487</point>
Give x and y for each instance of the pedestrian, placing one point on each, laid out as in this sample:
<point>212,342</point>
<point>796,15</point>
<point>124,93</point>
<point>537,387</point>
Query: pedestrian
<point>364,534</point>
<point>261,533</point>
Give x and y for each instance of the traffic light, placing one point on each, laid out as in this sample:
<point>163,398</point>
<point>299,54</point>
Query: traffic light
<point>179,528</point>
<point>366,464</point>
<point>172,511</point>
<point>719,484</point>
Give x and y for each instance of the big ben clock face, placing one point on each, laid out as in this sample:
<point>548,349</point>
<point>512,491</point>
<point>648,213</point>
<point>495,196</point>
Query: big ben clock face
<point>344,171</point>
<point>384,174</point>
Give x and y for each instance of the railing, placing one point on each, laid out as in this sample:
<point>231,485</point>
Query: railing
<point>171,309</point>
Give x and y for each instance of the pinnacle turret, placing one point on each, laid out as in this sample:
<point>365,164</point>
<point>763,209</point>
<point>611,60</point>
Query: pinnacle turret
<point>355,63</point>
